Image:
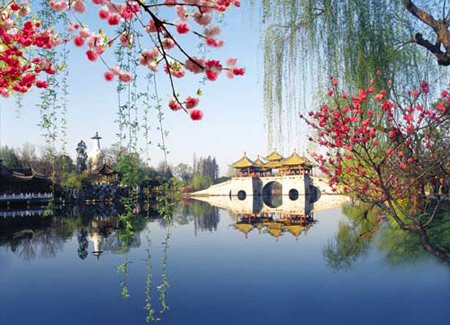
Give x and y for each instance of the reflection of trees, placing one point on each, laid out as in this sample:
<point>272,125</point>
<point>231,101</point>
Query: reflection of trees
<point>205,217</point>
<point>404,246</point>
<point>45,243</point>
<point>82,243</point>
<point>356,234</point>
<point>353,238</point>
<point>38,236</point>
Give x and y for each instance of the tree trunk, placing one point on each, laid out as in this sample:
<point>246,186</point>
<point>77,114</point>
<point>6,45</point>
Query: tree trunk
<point>430,248</point>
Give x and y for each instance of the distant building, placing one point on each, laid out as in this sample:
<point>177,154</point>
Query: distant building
<point>276,165</point>
<point>23,184</point>
<point>100,170</point>
<point>96,156</point>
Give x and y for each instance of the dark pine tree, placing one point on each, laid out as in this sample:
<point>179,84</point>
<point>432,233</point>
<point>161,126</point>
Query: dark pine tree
<point>82,156</point>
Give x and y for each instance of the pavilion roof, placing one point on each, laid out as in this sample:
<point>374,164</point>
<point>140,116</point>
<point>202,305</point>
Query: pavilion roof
<point>258,162</point>
<point>295,230</point>
<point>275,232</point>
<point>308,162</point>
<point>295,159</point>
<point>105,169</point>
<point>272,164</point>
<point>244,227</point>
<point>244,162</point>
<point>274,156</point>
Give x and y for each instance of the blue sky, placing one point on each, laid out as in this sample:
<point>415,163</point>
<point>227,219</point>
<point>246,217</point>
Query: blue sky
<point>234,116</point>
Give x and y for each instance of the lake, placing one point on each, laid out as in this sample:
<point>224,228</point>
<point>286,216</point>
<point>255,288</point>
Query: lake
<point>209,265</point>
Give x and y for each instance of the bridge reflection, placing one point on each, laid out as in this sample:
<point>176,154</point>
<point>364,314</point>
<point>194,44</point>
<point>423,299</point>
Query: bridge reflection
<point>275,215</point>
<point>275,225</point>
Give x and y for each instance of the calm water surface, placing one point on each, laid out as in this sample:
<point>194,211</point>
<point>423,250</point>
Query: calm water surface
<point>80,269</point>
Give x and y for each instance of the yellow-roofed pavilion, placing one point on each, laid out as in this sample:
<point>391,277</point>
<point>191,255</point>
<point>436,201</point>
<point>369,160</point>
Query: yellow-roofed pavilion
<point>296,165</point>
<point>293,165</point>
<point>274,161</point>
<point>243,167</point>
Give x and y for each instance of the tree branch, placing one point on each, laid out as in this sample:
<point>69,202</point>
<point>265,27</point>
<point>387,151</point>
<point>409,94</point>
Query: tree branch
<point>440,27</point>
<point>422,15</point>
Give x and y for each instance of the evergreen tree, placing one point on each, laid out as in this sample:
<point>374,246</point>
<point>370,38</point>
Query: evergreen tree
<point>9,157</point>
<point>82,156</point>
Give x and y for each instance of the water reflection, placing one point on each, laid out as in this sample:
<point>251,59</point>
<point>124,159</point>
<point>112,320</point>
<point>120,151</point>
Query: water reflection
<point>270,214</point>
<point>205,217</point>
<point>199,252</point>
<point>274,225</point>
<point>365,226</point>
<point>97,229</point>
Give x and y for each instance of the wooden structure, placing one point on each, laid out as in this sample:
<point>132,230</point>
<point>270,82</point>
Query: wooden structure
<point>296,165</point>
<point>275,225</point>
<point>105,174</point>
<point>274,161</point>
<point>259,166</point>
<point>276,165</point>
<point>244,167</point>
<point>24,183</point>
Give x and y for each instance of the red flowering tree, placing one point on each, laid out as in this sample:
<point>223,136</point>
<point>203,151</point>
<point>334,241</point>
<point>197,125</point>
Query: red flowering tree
<point>384,147</point>
<point>19,33</point>
<point>154,28</point>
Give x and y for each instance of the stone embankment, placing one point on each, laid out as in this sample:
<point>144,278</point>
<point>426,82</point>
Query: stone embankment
<point>94,193</point>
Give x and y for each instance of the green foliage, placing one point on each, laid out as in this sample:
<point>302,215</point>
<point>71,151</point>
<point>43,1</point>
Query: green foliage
<point>200,182</point>
<point>206,167</point>
<point>82,156</point>
<point>351,242</point>
<point>74,181</point>
<point>222,179</point>
<point>183,171</point>
<point>306,41</point>
<point>398,245</point>
<point>128,168</point>
<point>356,234</point>
<point>9,157</point>
<point>439,230</point>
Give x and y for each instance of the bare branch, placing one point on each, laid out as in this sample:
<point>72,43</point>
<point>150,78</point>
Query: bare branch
<point>422,15</point>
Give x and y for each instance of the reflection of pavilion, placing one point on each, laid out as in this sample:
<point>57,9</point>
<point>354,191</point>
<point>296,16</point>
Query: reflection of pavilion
<point>274,224</point>
<point>294,215</point>
<point>100,230</point>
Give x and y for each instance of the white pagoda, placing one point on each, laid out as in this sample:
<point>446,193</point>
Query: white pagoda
<point>96,156</point>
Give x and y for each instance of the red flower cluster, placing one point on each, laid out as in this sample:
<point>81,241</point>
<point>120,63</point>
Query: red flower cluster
<point>18,72</point>
<point>377,145</point>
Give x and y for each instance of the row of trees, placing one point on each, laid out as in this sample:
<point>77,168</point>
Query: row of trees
<point>203,173</point>
<point>28,156</point>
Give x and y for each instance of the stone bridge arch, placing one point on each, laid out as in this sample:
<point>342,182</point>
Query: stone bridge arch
<point>268,196</point>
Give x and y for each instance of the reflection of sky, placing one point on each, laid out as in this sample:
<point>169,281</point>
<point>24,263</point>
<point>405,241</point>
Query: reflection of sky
<point>220,277</point>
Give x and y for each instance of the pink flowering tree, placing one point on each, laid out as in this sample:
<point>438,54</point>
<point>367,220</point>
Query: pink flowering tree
<point>20,33</point>
<point>156,29</point>
<point>383,148</point>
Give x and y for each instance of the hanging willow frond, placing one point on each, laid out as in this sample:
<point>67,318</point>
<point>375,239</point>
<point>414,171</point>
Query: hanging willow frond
<point>306,41</point>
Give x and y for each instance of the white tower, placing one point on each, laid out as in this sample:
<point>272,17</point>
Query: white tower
<point>96,155</point>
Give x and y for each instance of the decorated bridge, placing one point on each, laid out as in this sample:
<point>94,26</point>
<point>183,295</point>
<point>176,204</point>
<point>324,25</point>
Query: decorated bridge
<point>290,176</point>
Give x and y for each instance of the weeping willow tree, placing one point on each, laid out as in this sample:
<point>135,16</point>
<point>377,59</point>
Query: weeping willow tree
<point>306,41</point>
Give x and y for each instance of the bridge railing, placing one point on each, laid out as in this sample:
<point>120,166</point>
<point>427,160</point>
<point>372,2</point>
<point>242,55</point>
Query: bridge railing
<point>25,196</point>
